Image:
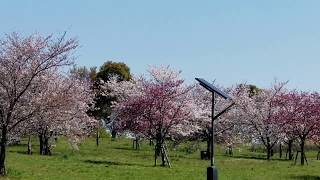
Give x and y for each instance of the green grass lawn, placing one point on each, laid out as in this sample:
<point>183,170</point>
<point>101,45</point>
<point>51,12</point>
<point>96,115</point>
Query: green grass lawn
<point>117,160</point>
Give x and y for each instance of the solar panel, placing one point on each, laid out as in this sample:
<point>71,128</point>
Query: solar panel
<point>212,88</point>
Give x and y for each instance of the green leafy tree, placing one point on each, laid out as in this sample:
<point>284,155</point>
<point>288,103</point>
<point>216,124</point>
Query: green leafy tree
<point>103,103</point>
<point>114,69</point>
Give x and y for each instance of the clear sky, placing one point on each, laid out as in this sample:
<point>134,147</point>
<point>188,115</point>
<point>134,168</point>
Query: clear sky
<point>231,41</point>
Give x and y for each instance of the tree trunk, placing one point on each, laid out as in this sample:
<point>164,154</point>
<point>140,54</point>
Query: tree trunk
<point>290,149</point>
<point>163,158</point>
<point>41,144</point>
<point>29,146</point>
<point>136,142</point>
<point>97,136</point>
<point>280,151</point>
<point>269,152</point>
<point>269,149</point>
<point>44,144</point>
<point>3,145</point>
<point>302,151</point>
<point>230,151</point>
<point>113,134</point>
<point>158,149</point>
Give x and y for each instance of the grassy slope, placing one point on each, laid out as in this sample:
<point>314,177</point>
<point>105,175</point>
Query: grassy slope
<point>117,160</point>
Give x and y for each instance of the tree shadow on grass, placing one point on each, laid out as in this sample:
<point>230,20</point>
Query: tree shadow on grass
<point>35,153</point>
<point>18,152</point>
<point>306,177</point>
<point>125,148</point>
<point>18,145</point>
<point>256,158</point>
<point>112,163</point>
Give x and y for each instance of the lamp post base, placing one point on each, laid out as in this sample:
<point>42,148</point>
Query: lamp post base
<point>212,173</point>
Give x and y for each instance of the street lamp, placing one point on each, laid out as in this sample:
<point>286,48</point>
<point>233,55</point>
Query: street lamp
<point>212,172</point>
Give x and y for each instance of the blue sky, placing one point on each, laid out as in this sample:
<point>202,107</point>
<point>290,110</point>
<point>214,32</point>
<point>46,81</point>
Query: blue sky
<point>230,41</point>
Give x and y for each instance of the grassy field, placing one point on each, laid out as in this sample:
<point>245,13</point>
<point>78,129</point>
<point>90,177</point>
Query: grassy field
<point>117,160</point>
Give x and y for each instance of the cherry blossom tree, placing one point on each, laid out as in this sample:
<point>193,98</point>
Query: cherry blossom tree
<point>256,113</point>
<point>64,104</point>
<point>23,60</point>
<point>299,115</point>
<point>160,107</point>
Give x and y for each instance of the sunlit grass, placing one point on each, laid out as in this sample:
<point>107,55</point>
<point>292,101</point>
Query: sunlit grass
<point>117,160</point>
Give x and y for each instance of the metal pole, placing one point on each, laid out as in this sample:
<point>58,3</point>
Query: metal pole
<point>212,130</point>
<point>212,172</point>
